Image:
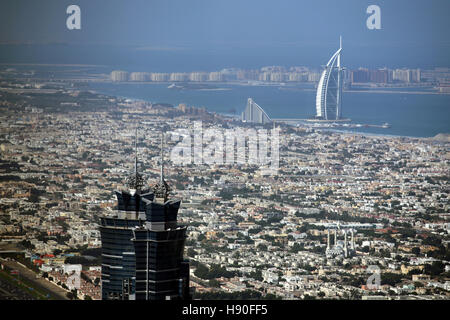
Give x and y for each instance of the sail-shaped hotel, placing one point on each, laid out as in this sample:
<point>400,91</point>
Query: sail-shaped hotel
<point>329,90</point>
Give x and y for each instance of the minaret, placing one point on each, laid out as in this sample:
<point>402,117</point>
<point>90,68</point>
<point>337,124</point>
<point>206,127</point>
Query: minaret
<point>353,240</point>
<point>345,244</point>
<point>328,239</point>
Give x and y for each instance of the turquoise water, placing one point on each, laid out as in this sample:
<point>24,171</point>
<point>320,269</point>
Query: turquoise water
<point>414,115</point>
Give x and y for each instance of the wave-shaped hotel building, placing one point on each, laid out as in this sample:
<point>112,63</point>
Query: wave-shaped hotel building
<point>254,113</point>
<point>329,90</point>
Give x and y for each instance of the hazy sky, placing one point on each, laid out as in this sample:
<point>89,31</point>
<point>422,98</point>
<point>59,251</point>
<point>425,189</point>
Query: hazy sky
<point>287,32</point>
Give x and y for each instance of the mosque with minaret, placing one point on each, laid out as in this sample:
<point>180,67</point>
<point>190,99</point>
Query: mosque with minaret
<point>340,248</point>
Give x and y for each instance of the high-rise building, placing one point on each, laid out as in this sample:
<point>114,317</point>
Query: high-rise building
<point>118,75</point>
<point>264,76</point>
<point>277,76</point>
<point>298,76</point>
<point>182,107</point>
<point>198,76</point>
<point>161,272</point>
<point>360,76</point>
<point>364,75</point>
<point>215,76</point>
<point>118,260</point>
<point>142,245</point>
<point>406,75</point>
<point>379,76</point>
<point>178,76</point>
<point>254,113</point>
<point>138,76</point>
<point>415,75</point>
<point>159,77</point>
<point>247,75</point>
<point>313,77</point>
<point>329,90</point>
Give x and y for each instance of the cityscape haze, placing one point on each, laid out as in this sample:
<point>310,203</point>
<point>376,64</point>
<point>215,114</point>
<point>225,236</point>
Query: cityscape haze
<point>224,150</point>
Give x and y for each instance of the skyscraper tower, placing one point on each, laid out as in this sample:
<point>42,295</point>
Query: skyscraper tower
<point>140,211</point>
<point>329,89</point>
<point>118,261</point>
<point>161,272</point>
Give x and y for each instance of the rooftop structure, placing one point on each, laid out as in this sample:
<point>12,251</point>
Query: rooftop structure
<point>142,246</point>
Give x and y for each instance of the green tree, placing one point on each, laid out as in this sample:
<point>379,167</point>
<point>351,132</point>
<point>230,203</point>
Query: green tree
<point>261,247</point>
<point>214,283</point>
<point>191,252</point>
<point>435,269</point>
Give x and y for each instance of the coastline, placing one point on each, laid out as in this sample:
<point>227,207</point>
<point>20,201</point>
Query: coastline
<point>383,135</point>
<point>280,85</point>
<point>360,133</point>
<point>397,92</point>
<point>191,98</point>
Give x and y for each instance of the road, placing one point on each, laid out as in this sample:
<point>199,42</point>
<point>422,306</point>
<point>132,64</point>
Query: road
<point>40,283</point>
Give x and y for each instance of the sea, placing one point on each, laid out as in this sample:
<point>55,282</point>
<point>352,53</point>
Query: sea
<point>409,114</point>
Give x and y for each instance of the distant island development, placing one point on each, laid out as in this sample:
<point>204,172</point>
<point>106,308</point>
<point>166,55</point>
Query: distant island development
<point>371,97</point>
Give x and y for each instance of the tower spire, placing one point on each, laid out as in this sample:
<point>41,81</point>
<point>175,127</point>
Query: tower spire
<point>135,153</point>
<point>340,50</point>
<point>162,189</point>
<point>162,158</point>
<point>135,181</point>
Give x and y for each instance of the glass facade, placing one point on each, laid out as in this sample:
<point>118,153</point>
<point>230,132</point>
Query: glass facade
<point>142,250</point>
<point>161,272</point>
<point>118,259</point>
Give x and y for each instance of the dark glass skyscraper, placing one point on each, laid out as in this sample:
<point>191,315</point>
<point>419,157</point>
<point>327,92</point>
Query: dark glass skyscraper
<point>118,257</point>
<point>142,246</point>
<point>161,272</point>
